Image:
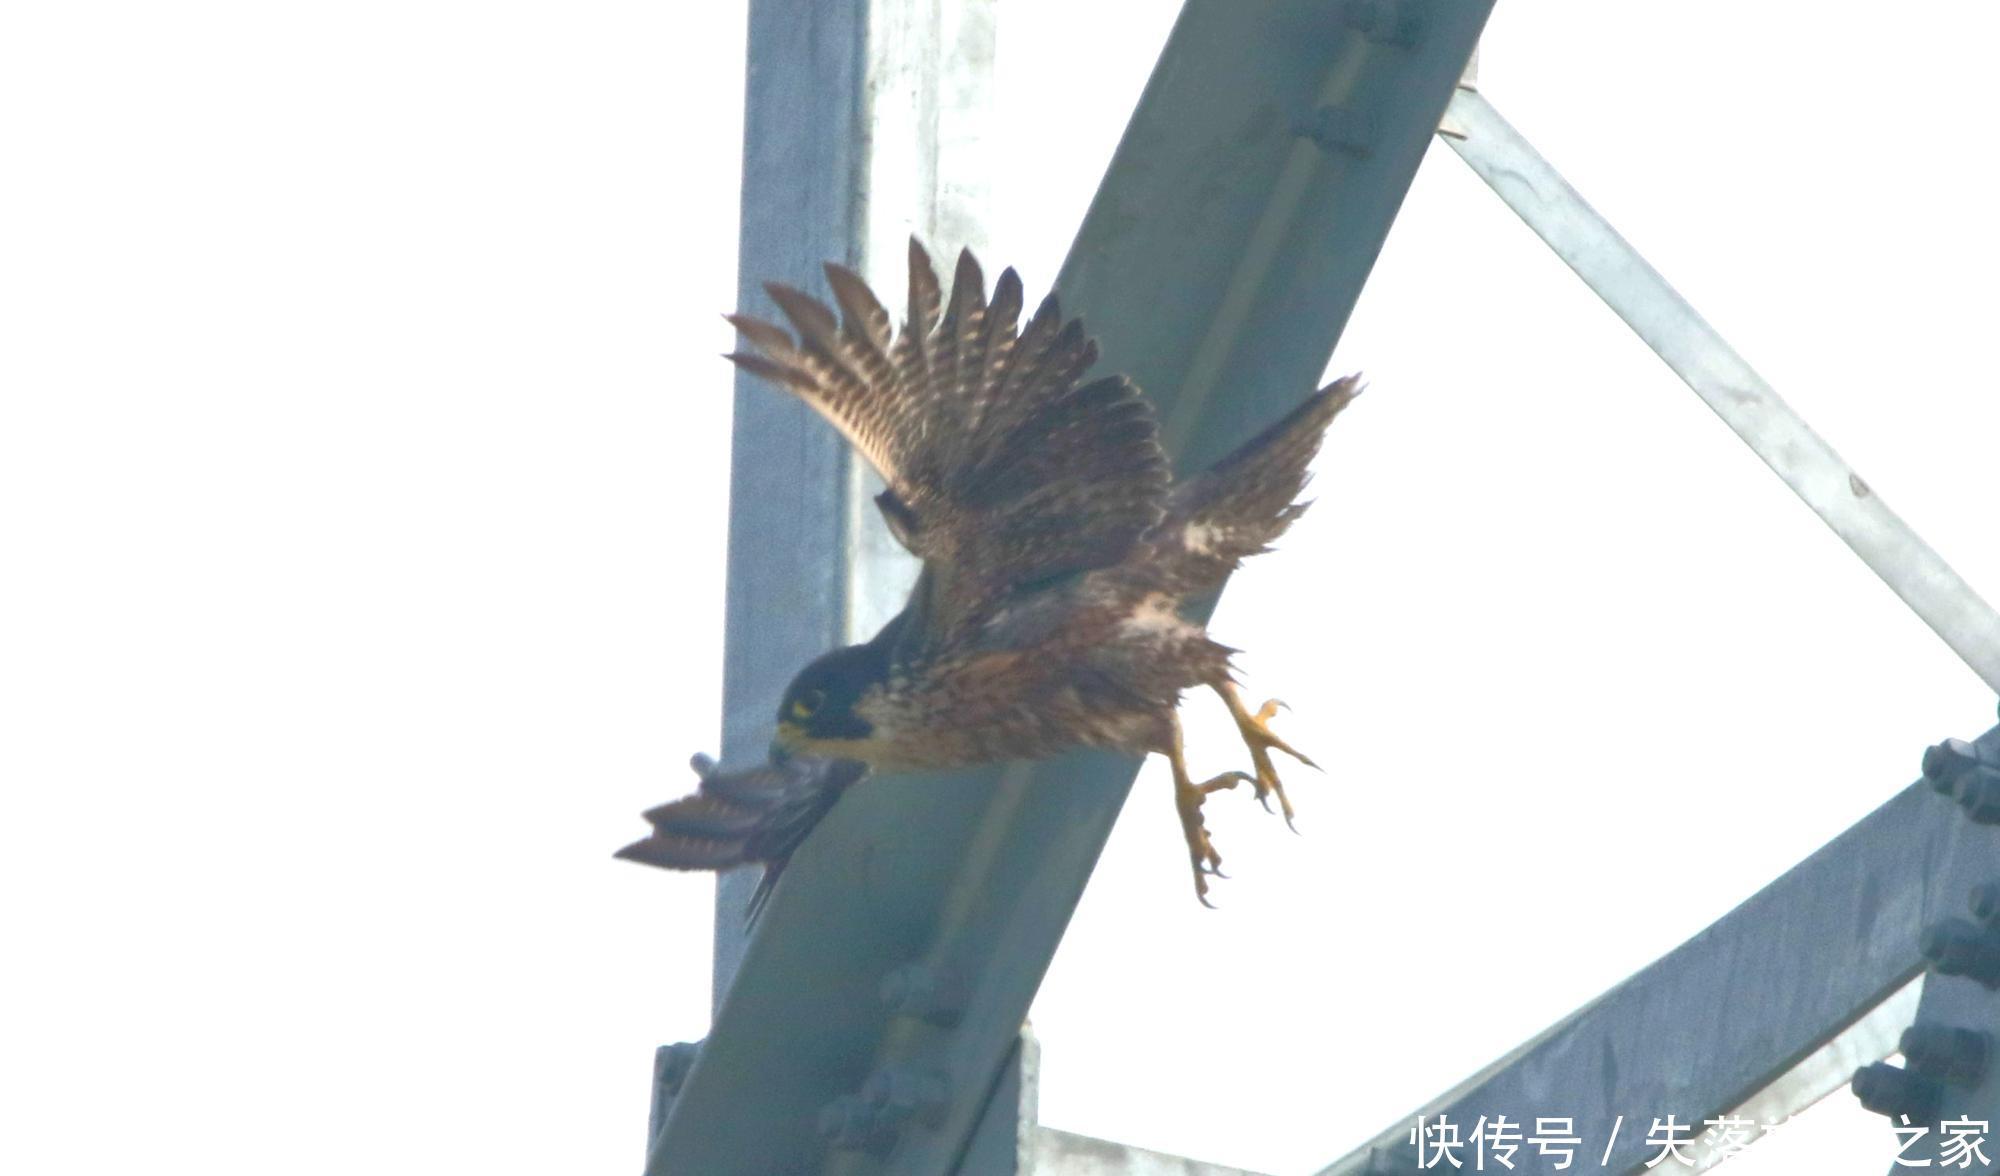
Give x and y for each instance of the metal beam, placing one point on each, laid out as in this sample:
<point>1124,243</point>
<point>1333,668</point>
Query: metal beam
<point>1818,1074</point>
<point>1011,1141</point>
<point>1726,383</point>
<point>1763,1012</point>
<point>786,574</point>
<point>1240,216</point>
<point>1945,1098</point>
<point>1741,1004</point>
<point>1952,1006</point>
<point>843,158</point>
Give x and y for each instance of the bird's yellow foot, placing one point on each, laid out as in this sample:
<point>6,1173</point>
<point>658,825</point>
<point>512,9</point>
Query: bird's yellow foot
<point>1259,738</point>
<point>1202,855</point>
<point>1188,798</point>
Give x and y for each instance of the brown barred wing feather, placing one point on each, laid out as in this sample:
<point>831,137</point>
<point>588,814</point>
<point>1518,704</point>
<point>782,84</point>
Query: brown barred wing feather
<point>1004,469</point>
<point>1235,508</point>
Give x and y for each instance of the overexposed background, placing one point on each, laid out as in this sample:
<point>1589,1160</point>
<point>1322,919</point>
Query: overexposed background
<point>362,485</point>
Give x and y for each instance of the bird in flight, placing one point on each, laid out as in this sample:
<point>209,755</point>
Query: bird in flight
<point>1058,556</point>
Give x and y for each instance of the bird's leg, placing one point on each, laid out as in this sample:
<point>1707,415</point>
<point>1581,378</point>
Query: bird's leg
<point>1257,735</point>
<point>1188,797</point>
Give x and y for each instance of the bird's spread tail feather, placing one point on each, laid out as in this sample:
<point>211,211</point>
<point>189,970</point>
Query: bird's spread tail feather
<point>756,816</point>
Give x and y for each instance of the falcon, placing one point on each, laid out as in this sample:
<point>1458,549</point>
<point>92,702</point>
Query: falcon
<point>1059,560</point>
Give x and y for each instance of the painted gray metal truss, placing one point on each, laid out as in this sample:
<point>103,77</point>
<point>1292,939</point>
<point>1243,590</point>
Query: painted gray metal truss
<point>1947,1090</point>
<point>1010,1138</point>
<point>872,1013</point>
<point>1665,322</point>
<point>1727,1013</point>
<point>1818,966</point>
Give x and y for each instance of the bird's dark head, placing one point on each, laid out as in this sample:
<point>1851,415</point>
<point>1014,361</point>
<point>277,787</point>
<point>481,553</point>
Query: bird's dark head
<point>818,715</point>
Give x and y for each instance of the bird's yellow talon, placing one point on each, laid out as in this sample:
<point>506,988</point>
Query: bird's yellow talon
<point>1188,798</point>
<point>1259,738</point>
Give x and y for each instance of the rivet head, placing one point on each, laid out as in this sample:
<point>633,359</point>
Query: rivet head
<point>904,1093</point>
<point>1337,130</point>
<point>1386,22</point>
<point>850,1123</point>
<point>926,992</point>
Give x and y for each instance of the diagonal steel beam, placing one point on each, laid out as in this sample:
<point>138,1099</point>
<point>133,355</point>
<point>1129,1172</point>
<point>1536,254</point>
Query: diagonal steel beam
<point>1724,1015</point>
<point>1228,241</point>
<point>1609,265</point>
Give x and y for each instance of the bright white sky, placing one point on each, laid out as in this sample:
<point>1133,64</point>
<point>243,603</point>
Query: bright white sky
<point>362,455</point>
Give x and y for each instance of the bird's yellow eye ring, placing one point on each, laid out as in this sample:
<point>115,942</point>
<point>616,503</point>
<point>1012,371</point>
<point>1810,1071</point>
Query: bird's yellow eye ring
<point>807,703</point>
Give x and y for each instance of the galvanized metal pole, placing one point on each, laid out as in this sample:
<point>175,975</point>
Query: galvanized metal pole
<point>863,122</point>
<point>1664,320</point>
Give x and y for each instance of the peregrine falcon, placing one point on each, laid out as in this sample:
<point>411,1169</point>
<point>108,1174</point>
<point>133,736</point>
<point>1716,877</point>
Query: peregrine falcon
<point>1058,560</point>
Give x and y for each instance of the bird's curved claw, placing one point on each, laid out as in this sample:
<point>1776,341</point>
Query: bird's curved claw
<point>1202,854</point>
<point>1255,729</point>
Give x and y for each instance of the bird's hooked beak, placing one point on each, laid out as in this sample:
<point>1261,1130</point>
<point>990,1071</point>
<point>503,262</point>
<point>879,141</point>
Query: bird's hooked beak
<point>787,739</point>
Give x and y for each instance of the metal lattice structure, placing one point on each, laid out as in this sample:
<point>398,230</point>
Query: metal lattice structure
<point>873,1024</point>
<point>1777,997</point>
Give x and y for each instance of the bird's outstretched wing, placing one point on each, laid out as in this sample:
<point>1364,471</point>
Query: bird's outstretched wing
<point>1004,470</point>
<point>1232,510</point>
